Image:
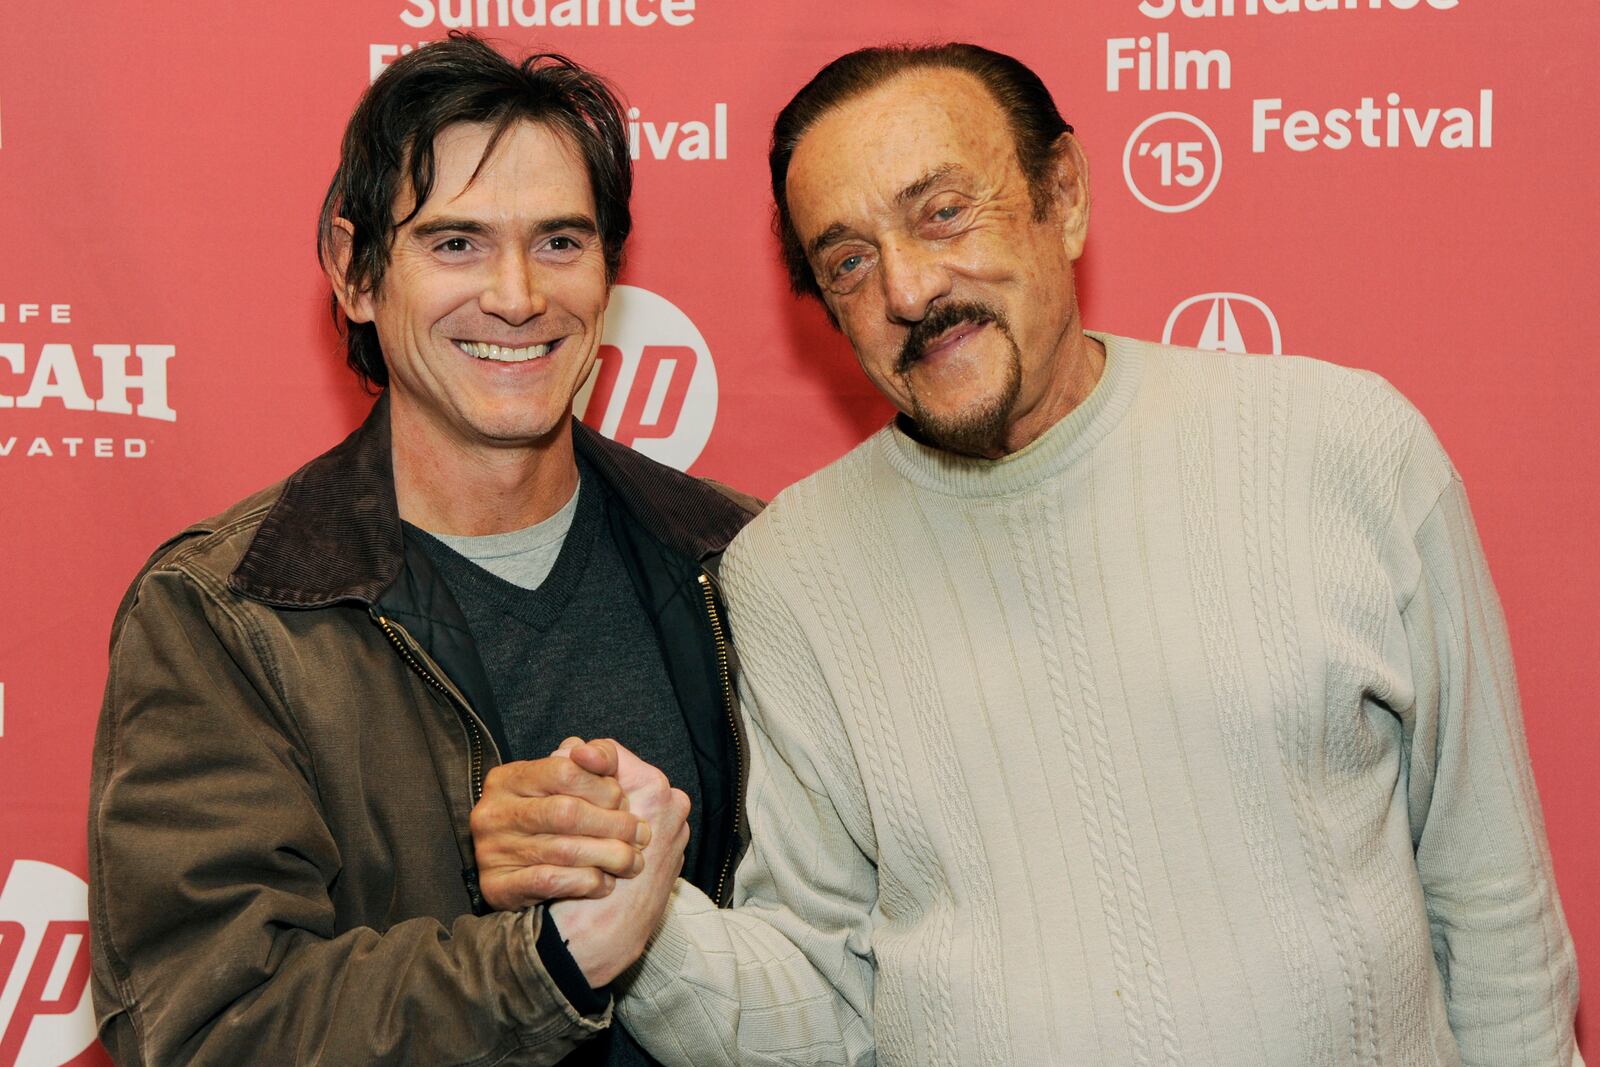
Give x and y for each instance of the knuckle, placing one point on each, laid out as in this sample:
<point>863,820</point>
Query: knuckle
<point>543,883</point>
<point>587,883</point>
<point>486,817</point>
<point>492,895</point>
<point>654,795</point>
<point>562,773</point>
<point>560,851</point>
<point>562,813</point>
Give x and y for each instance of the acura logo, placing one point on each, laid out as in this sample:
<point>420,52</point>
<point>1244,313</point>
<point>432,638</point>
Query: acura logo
<point>1224,322</point>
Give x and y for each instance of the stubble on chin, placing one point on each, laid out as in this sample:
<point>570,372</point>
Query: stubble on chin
<point>980,429</point>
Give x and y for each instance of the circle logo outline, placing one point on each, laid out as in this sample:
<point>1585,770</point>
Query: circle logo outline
<point>1127,163</point>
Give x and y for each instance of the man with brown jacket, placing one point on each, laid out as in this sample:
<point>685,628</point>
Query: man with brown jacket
<point>311,694</point>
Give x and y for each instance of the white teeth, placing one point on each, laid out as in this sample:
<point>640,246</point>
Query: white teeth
<point>479,350</point>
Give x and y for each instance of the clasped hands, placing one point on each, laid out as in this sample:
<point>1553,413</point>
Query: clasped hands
<point>594,829</point>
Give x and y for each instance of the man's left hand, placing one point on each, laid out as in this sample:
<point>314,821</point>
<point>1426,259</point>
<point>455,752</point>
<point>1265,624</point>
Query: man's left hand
<point>606,935</point>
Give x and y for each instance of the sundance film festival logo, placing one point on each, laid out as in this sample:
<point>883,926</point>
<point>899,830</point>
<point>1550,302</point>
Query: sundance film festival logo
<point>1224,322</point>
<point>446,15</point>
<point>1172,160</point>
<point>502,14</point>
<point>113,379</point>
<point>699,135</point>
<point>46,1018</point>
<point>654,386</point>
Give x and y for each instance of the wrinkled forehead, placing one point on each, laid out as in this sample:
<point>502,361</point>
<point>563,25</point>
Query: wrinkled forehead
<point>464,151</point>
<point>858,158</point>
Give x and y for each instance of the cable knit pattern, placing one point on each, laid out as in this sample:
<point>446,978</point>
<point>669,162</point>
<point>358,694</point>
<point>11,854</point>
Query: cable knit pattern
<point>1186,735</point>
<point>926,887</point>
<point>928,714</point>
<point>1078,768</point>
<point>1276,630</point>
<point>1364,433</point>
<point>1200,388</point>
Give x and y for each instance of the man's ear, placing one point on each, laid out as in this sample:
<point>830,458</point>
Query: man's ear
<point>356,302</point>
<point>1071,181</point>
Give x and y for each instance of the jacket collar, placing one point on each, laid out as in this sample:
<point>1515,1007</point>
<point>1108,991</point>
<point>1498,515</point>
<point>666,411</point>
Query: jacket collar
<point>334,532</point>
<point>691,516</point>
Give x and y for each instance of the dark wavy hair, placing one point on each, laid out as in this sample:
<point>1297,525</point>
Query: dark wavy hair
<point>388,148</point>
<point>1036,123</point>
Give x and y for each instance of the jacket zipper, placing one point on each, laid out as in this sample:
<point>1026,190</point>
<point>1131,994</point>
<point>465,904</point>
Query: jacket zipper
<point>469,720</point>
<point>463,712</point>
<point>720,637</point>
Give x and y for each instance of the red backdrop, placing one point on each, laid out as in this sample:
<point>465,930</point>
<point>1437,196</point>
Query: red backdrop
<point>1395,184</point>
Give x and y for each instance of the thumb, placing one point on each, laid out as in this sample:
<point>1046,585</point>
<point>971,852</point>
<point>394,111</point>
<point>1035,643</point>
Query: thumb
<point>597,757</point>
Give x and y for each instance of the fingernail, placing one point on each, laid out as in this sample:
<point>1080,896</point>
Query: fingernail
<point>638,863</point>
<point>641,836</point>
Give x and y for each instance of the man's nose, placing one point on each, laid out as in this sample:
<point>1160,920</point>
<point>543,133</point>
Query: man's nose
<point>913,277</point>
<point>513,291</point>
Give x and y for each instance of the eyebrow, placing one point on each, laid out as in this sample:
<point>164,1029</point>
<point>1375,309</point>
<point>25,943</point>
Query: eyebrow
<point>444,224</point>
<point>926,182</point>
<point>838,231</point>
<point>831,236</point>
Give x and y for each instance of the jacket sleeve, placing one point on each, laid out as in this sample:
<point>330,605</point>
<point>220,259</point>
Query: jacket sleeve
<point>1499,937</point>
<point>214,938</point>
<point>786,975</point>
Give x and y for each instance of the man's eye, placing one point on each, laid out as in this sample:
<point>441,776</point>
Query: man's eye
<point>455,244</point>
<point>564,245</point>
<point>847,272</point>
<point>946,214</point>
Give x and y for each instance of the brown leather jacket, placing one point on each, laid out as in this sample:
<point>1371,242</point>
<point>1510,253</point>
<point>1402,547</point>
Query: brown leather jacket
<point>295,728</point>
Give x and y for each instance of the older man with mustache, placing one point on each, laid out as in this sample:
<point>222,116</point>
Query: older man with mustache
<point>1117,704</point>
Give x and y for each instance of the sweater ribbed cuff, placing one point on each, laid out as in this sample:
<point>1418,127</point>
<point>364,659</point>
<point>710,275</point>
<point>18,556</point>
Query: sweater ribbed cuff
<point>664,957</point>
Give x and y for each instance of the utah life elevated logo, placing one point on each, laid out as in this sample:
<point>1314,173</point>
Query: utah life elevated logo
<point>60,376</point>
<point>654,387</point>
<point>46,1018</point>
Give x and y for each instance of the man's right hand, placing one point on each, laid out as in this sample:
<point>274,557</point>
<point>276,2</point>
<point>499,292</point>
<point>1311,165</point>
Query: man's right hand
<point>556,828</point>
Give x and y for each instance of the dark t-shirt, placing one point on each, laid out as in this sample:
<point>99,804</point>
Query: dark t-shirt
<point>576,656</point>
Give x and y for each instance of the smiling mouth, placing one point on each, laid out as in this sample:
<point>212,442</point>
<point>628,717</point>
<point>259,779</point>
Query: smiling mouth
<point>504,353</point>
<point>938,345</point>
<point>945,326</point>
<point>950,338</point>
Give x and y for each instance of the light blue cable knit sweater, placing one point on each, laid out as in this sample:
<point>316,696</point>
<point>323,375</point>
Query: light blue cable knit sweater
<point>1188,734</point>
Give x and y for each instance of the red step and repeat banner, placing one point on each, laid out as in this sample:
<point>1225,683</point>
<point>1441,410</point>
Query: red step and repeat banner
<point>1403,185</point>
